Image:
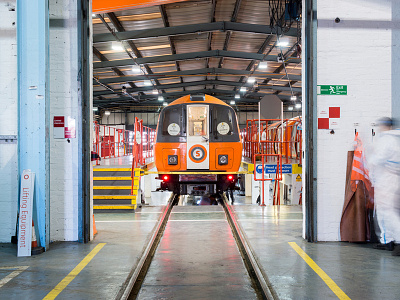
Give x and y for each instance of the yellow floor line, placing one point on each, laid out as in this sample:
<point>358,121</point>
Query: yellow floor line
<point>329,282</point>
<point>67,280</point>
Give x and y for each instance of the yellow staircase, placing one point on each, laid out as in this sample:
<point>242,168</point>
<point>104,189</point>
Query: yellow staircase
<point>112,189</point>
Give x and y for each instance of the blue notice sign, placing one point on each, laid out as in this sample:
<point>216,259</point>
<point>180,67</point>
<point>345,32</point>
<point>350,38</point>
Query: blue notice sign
<point>271,169</point>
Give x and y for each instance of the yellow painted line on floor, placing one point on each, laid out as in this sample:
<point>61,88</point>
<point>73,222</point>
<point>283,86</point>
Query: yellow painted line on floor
<point>112,169</point>
<point>114,206</point>
<point>112,178</point>
<point>112,187</point>
<point>115,197</point>
<point>329,282</point>
<point>71,276</point>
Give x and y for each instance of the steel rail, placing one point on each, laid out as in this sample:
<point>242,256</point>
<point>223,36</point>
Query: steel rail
<point>130,289</point>
<point>259,278</point>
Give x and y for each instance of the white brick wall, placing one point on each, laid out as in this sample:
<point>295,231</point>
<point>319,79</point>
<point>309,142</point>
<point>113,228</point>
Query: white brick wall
<point>64,102</point>
<point>357,53</point>
<point>8,120</point>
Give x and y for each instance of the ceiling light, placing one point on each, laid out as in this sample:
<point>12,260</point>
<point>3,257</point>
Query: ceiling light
<point>263,65</point>
<point>155,92</point>
<point>165,104</point>
<point>93,15</point>
<point>243,89</point>
<point>283,43</point>
<point>95,108</point>
<point>136,69</point>
<point>107,113</point>
<point>293,98</point>
<point>147,83</point>
<point>117,46</point>
<point>160,98</point>
<point>290,107</point>
<point>251,80</point>
<point>298,105</point>
<point>237,96</point>
<point>232,102</point>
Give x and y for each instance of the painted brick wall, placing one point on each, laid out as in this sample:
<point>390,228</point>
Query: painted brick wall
<point>8,120</point>
<point>355,52</point>
<point>63,102</point>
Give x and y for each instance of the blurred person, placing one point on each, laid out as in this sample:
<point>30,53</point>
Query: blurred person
<point>385,164</point>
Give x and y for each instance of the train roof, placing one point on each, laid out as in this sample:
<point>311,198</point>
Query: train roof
<point>208,99</point>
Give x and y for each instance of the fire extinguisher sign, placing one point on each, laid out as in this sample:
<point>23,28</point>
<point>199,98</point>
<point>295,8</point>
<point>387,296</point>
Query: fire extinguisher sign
<point>25,213</point>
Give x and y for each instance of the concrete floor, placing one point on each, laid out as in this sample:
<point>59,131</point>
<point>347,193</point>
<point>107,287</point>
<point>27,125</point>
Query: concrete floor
<point>360,271</point>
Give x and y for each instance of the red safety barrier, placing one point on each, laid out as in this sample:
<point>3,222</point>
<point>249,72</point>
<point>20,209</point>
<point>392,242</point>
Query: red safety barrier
<point>272,141</point>
<point>143,144</point>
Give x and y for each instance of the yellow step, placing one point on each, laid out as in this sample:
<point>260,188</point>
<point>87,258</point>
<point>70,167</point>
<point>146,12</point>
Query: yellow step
<point>115,206</point>
<point>128,187</point>
<point>116,197</point>
<point>112,178</point>
<point>112,169</point>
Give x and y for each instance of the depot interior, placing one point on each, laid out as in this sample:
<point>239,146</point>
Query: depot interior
<point>114,71</point>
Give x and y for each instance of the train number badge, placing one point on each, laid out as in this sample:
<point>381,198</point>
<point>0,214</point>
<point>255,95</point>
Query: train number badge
<point>197,153</point>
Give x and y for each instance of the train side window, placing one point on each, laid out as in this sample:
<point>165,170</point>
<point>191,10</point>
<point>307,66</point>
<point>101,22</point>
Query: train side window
<point>223,124</point>
<point>172,121</point>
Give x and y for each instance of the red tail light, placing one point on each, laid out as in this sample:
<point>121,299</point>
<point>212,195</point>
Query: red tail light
<point>165,177</point>
<point>230,177</point>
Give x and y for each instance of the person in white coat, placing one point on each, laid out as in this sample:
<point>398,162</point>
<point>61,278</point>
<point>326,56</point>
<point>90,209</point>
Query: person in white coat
<point>385,164</point>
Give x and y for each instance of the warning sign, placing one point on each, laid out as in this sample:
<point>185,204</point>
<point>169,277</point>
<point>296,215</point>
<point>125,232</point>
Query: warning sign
<point>298,178</point>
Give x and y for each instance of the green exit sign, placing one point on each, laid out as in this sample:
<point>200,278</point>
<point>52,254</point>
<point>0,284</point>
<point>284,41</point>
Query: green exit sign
<point>332,90</point>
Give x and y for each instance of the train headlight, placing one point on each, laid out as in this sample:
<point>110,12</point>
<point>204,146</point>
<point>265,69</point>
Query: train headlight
<point>172,159</point>
<point>223,159</point>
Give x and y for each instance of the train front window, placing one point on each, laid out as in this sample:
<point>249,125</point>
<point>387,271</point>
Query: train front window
<point>172,121</point>
<point>223,120</point>
<point>197,120</point>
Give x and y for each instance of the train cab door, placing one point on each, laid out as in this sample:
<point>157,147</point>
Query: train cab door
<point>198,147</point>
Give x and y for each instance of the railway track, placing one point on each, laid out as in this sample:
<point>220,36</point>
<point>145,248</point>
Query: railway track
<point>259,280</point>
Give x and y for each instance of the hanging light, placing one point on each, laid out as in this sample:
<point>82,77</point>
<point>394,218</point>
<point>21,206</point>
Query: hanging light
<point>136,69</point>
<point>165,104</point>
<point>155,92</point>
<point>93,15</point>
<point>147,83</point>
<point>232,102</point>
<point>298,105</point>
<point>263,65</point>
<point>237,96</point>
<point>160,98</point>
<point>95,108</point>
<point>243,89</point>
<point>107,113</point>
<point>251,79</point>
<point>117,46</point>
<point>293,98</point>
<point>290,108</point>
<point>283,43</point>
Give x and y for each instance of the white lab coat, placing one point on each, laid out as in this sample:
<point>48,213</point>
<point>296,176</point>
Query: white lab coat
<point>384,162</point>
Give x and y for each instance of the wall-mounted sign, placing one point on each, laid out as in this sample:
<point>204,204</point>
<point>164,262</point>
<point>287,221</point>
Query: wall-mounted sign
<point>271,169</point>
<point>64,127</point>
<point>332,89</point>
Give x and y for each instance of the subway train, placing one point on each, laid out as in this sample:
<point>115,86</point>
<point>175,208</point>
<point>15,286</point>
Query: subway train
<point>197,138</point>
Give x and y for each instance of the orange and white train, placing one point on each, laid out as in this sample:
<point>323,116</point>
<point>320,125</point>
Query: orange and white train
<point>198,140</point>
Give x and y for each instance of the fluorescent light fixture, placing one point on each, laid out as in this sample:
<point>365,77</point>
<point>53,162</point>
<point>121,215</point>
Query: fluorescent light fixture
<point>155,92</point>
<point>165,104</point>
<point>160,98</point>
<point>263,65</point>
<point>95,108</point>
<point>136,69</point>
<point>147,83</point>
<point>117,46</point>
<point>107,113</point>
<point>290,108</point>
<point>283,43</point>
<point>232,102</point>
<point>298,105</point>
<point>237,96</point>
<point>251,79</point>
<point>93,15</point>
<point>293,98</point>
<point>243,89</point>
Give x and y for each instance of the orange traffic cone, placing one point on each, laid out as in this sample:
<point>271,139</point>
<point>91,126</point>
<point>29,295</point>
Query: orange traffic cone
<point>35,249</point>
<point>94,227</point>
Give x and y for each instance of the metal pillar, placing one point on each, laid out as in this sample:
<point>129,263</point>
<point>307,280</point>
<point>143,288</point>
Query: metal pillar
<point>310,120</point>
<point>85,96</point>
<point>33,136</point>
